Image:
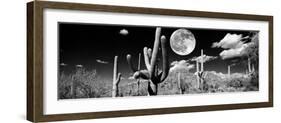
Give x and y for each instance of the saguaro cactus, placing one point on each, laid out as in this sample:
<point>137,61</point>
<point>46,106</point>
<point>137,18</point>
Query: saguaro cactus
<point>228,69</point>
<point>249,65</point>
<point>72,87</point>
<point>203,84</point>
<point>116,78</point>
<point>253,68</point>
<point>197,72</point>
<point>152,72</point>
<point>202,60</point>
<point>180,87</point>
<point>138,81</point>
<point>200,73</point>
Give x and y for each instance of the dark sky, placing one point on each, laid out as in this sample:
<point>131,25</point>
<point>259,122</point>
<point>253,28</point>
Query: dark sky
<point>85,43</point>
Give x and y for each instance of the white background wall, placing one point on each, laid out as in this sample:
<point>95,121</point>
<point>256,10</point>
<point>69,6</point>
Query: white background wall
<point>13,61</point>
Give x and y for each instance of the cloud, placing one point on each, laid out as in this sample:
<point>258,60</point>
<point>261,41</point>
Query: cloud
<point>205,58</point>
<point>181,65</point>
<point>236,52</point>
<point>102,62</point>
<point>79,65</point>
<point>63,64</point>
<point>124,32</point>
<point>230,41</point>
<point>234,45</point>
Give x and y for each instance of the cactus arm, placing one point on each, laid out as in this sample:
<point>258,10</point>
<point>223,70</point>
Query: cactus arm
<point>200,74</point>
<point>156,70</point>
<point>146,58</point>
<point>155,51</point>
<point>144,74</point>
<point>129,60</point>
<point>118,78</point>
<point>197,66</point>
<point>165,68</point>
<point>139,62</point>
<point>205,74</point>
<point>149,52</point>
<point>152,89</point>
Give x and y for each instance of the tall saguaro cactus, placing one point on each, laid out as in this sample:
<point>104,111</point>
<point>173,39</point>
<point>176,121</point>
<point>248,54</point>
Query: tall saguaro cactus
<point>152,72</point>
<point>197,72</point>
<point>116,78</point>
<point>228,69</point>
<point>200,73</point>
<point>138,81</point>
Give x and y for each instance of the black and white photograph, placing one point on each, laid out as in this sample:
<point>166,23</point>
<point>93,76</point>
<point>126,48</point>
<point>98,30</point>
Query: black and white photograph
<point>89,60</point>
<point>106,60</point>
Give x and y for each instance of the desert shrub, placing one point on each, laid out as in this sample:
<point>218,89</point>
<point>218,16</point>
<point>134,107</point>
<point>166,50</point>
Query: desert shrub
<point>88,84</point>
<point>82,84</point>
<point>253,84</point>
<point>243,83</point>
<point>64,86</point>
<point>170,85</point>
<point>130,88</point>
<point>235,83</point>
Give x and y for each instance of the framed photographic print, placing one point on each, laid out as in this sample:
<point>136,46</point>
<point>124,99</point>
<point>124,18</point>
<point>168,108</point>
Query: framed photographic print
<point>95,61</point>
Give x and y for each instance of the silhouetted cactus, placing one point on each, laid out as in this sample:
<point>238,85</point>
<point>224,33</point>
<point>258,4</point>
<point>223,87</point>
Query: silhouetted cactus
<point>152,72</point>
<point>200,73</point>
<point>116,78</point>
<point>180,87</point>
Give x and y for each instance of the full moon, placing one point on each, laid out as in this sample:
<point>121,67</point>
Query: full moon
<point>182,42</point>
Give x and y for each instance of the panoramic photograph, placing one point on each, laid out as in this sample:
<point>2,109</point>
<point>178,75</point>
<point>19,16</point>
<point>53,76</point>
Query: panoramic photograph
<point>108,61</point>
